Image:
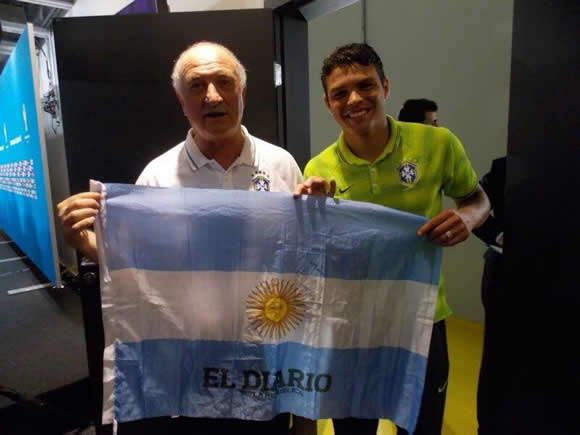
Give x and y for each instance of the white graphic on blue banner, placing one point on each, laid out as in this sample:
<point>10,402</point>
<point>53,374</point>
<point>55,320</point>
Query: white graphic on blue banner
<point>24,118</point>
<point>245,305</point>
<point>19,178</point>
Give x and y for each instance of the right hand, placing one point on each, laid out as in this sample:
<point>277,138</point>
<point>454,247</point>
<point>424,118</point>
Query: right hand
<point>77,214</point>
<point>316,186</point>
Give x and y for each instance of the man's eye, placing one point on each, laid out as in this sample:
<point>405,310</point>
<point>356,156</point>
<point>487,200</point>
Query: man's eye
<point>196,86</point>
<point>225,82</point>
<point>339,95</point>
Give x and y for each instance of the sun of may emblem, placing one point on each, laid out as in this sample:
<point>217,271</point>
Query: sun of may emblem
<point>275,307</point>
<point>408,173</point>
<point>261,181</point>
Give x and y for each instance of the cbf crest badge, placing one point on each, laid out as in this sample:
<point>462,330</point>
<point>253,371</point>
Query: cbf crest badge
<point>408,173</point>
<point>261,181</point>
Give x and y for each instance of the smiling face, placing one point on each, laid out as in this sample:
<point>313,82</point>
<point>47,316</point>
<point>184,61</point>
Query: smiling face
<point>211,92</point>
<point>356,98</point>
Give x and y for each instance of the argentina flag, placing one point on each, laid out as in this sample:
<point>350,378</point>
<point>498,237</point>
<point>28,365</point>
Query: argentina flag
<point>235,304</point>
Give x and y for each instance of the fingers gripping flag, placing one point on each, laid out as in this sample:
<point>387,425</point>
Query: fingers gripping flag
<point>234,304</point>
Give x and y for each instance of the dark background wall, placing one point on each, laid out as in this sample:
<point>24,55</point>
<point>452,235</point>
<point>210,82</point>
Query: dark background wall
<point>542,302</point>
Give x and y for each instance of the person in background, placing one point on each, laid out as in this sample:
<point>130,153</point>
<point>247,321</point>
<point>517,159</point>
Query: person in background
<point>492,296</point>
<point>419,110</point>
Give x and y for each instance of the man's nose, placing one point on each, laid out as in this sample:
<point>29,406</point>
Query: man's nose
<point>353,97</point>
<point>212,95</point>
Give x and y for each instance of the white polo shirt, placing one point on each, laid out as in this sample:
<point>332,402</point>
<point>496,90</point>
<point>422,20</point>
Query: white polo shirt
<point>261,166</point>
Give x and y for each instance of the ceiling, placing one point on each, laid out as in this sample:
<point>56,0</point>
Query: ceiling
<point>15,14</point>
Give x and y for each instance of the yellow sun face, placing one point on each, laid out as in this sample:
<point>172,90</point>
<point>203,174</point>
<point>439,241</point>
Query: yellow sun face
<point>275,307</point>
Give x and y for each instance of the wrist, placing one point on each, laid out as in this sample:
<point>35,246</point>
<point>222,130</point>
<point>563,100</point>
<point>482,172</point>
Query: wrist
<point>467,219</point>
<point>87,241</point>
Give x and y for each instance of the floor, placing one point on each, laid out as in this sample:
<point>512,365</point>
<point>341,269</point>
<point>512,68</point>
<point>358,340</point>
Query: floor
<point>43,368</point>
<point>465,341</point>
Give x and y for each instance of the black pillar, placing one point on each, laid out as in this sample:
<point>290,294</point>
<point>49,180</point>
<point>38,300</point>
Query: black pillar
<point>542,302</point>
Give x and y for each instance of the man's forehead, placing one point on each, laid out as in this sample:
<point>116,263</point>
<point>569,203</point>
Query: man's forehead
<point>354,71</point>
<point>207,57</point>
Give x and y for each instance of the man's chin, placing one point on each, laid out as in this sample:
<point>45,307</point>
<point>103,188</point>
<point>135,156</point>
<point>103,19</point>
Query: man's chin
<point>357,125</point>
<point>218,125</point>
<point>215,134</point>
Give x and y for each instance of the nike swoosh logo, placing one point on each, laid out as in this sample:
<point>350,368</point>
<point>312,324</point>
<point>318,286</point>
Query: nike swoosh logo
<point>442,388</point>
<point>341,191</point>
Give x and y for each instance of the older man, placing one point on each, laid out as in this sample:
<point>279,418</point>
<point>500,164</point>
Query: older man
<point>401,165</point>
<point>218,152</point>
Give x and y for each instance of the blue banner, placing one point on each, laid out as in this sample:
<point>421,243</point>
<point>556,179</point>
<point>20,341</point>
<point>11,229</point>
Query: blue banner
<point>25,203</point>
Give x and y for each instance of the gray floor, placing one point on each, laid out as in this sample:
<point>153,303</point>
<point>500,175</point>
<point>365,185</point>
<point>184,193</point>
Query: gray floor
<point>41,331</point>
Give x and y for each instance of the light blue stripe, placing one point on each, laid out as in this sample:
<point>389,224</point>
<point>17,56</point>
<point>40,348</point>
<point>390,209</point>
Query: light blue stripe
<point>167,377</point>
<point>203,229</point>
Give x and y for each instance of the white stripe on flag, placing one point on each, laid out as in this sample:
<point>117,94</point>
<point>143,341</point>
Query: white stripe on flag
<point>211,305</point>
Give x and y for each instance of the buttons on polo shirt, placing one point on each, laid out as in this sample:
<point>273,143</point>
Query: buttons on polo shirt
<point>227,182</point>
<point>374,175</point>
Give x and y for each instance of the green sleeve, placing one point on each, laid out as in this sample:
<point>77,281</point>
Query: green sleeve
<point>309,170</point>
<point>460,179</point>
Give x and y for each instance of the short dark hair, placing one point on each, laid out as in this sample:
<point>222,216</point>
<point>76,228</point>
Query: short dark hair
<point>349,54</point>
<point>413,110</point>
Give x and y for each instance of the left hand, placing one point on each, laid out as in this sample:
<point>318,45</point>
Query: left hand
<point>316,186</point>
<point>448,228</point>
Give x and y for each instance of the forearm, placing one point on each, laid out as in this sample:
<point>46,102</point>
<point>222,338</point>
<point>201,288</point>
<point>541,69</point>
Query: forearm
<point>475,209</point>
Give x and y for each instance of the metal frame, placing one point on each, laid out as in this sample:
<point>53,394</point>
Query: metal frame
<point>6,48</point>
<point>47,185</point>
<point>58,4</point>
<point>18,28</point>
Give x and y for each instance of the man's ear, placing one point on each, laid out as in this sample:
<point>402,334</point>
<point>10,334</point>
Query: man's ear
<point>325,99</point>
<point>181,100</point>
<point>386,87</point>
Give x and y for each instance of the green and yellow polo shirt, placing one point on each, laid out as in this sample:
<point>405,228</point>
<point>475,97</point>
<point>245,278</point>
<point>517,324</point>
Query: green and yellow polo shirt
<point>419,164</point>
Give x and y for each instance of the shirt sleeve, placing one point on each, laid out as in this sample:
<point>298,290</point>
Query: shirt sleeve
<point>308,172</point>
<point>148,177</point>
<point>289,170</point>
<point>315,169</point>
<point>297,174</point>
<point>143,179</point>
<point>460,180</point>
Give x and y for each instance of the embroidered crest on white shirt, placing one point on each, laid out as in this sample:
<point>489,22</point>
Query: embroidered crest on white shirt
<point>261,181</point>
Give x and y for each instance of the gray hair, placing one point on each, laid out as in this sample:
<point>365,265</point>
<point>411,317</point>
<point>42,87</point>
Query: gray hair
<point>176,75</point>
